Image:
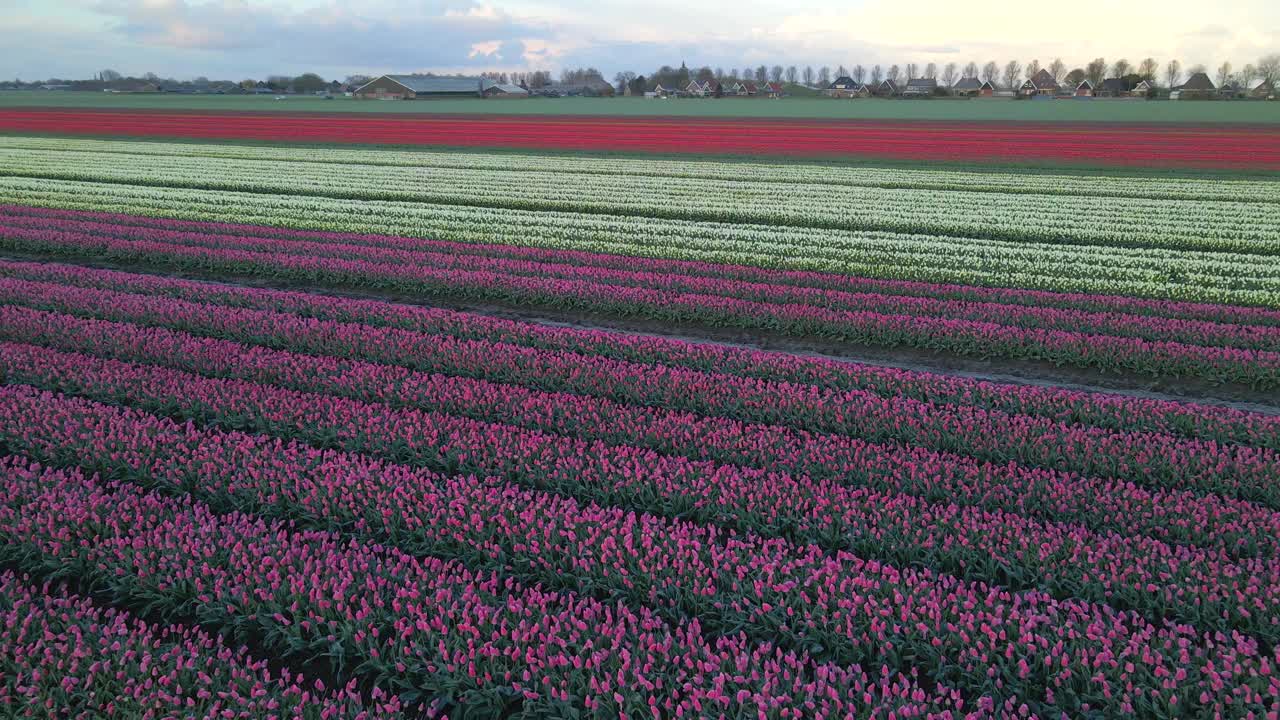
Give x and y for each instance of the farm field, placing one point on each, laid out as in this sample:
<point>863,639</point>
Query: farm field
<point>396,432</point>
<point>1251,147</point>
<point>987,109</point>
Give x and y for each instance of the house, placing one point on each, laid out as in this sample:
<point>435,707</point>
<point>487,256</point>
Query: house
<point>666,89</point>
<point>1042,83</point>
<point>1084,89</point>
<point>506,92</point>
<point>887,88</point>
<point>966,87</point>
<point>587,88</point>
<point>920,87</point>
<point>745,88</point>
<point>1264,90</point>
<point>1142,89</point>
<point>846,87</point>
<point>1112,87</point>
<point>1197,87</point>
<point>410,87</point>
<point>773,90</point>
<point>987,89</point>
<point>1231,91</point>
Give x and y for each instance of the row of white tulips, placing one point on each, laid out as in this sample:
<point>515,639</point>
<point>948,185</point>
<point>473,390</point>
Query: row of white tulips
<point>1209,276</point>
<point>1034,218</point>
<point>1098,184</point>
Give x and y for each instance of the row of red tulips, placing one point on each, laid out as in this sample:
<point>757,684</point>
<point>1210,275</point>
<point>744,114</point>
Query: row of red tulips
<point>1056,656</point>
<point>1203,587</point>
<point>421,629</point>
<point>1153,460</point>
<point>1239,528</point>
<point>621,272</point>
<point>1258,368</point>
<point>803,280</point>
<point>62,656</point>
<point>1167,145</point>
<point>1112,412</point>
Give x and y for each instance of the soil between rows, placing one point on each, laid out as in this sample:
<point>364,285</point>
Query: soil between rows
<point>1001,370</point>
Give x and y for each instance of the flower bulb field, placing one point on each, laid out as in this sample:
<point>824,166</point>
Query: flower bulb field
<point>419,416</point>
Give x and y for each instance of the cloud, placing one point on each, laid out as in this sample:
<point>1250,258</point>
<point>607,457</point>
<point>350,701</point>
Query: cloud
<point>253,38</point>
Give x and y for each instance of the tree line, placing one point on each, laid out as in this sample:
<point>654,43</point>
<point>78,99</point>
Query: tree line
<point>1168,74</point>
<point>1011,73</point>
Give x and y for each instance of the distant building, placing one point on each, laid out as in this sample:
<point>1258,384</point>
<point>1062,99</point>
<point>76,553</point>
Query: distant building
<point>1197,87</point>
<point>920,87</point>
<point>887,88</point>
<point>1113,87</point>
<point>966,87</point>
<point>773,90</point>
<point>1084,89</point>
<point>1142,89</point>
<point>508,92</point>
<point>1042,83</point>
<point>846,87</point>
<point>987,89</point>
<point>745,88</point>
<point>411,87</point>
<point>661,90</point>
<point>585,88</point>
<point>1264,90</point>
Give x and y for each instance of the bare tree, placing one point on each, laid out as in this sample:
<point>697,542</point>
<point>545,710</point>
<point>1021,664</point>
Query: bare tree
<point>1120,68</point>
<point>792,74</point>
<point>912,69</point>
<point>1148,69</point>
<point>1224,73</point>
<point>762,74</point>
<point>990,71</point>
<point>1269,67</point>
<point>1033,67</point>
<point>1057,68</point>
<point>1247,75</point>
<point>1012,71</point>
<point>808,75</point>
<point>949,74</point>
<point>841,71</point>
<point>876,74</point>
<point>1172,72</point>
<point>859,73</point>
<point>824,76</point>
<point>719,73</point>
<point>109,76</point>
<point>1095,71</point>
<point>775,73</point>
<point>894,74</point>
<point>931,70</point>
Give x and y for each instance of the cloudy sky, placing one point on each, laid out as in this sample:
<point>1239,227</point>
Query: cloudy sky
<point>253,38</point>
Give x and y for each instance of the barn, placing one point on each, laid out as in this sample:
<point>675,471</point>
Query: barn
<point>411,87</point>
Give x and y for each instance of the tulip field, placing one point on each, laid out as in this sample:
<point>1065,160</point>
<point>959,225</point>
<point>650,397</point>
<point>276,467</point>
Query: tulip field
<point>329,430</point>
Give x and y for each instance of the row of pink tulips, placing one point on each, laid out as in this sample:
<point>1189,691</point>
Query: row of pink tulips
<point>1202,587</point>
<point>425,629</point>
<point>1112,304</point>
<point>1259,369</point>
<point>1239,528</point>
<point>1056,656</point>
<point>481,258</point>
<point>61,656</point>
<point>1154,460</point>
<point>1112,412</point>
